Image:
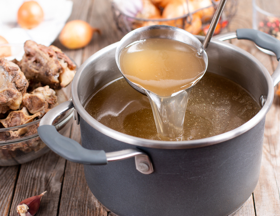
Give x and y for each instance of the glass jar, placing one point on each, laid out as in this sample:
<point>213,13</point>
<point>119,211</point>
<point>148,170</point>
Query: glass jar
<point>266,18</point>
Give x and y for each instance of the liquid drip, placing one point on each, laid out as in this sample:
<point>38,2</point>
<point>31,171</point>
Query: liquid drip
<point>216,105</point>
<point>164,68</point>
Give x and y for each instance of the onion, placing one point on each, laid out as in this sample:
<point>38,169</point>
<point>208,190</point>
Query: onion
<point>30,14</point>
<point>149,11</point>
<point>5,51</point>
<point>148,23</point>
<point>207,13</point>
<point>195,26</point>
<point>162,3</point>
<point>76,34</point>
<point>175,9</point>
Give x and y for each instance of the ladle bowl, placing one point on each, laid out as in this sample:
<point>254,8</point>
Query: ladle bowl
<point>158,31</point>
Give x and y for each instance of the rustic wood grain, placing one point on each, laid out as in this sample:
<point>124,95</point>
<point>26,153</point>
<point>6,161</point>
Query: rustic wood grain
<point>79,200</point>
<point>247,209</point>
<point>267,191</point>
<point>100,16</point>
<point>43,174</point>
<point>8,178</point>
<point>266,194</point>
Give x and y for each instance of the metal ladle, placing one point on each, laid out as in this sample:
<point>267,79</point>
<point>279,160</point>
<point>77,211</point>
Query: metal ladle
<point>169,120</point>
<point>161,31</point>
<point>213,24</point>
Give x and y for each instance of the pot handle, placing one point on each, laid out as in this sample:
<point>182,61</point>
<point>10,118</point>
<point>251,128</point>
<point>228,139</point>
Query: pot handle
<point>73,151</point>
<point>262,39</point>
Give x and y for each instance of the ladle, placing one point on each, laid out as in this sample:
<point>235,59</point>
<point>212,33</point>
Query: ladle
<point>141,33</point>
<point>169,120</point>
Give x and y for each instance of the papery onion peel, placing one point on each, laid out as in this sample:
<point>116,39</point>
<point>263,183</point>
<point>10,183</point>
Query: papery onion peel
<point>77,34</point>
<point>30,14</point>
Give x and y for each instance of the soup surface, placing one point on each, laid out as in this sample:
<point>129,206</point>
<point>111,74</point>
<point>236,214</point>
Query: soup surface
<point>216,105</point>
<point>162,66</point>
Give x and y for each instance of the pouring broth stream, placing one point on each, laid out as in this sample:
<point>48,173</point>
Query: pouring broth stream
<point>164,68</point>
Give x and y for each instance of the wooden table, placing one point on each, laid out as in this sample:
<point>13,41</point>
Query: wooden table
<point>68,193</point>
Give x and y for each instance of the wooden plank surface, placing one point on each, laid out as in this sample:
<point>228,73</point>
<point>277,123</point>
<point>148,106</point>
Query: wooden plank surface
<point>266,194</point>
<point>8,179</point>
<point>43,174</point>
<point>85,203</point>
<point>79,200</point>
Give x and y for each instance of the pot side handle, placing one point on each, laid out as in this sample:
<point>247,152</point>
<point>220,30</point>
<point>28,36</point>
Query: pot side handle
<point>262,39</point>
<point>73,151</point>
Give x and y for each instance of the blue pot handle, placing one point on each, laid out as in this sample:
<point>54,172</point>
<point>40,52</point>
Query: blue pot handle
<point>73,151</point>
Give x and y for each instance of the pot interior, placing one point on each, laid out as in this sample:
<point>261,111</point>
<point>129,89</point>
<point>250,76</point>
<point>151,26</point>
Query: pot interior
<point>224,59</point>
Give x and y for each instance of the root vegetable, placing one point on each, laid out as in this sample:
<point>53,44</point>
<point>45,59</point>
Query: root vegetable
<point>76,34</point>
<point>30,14</point>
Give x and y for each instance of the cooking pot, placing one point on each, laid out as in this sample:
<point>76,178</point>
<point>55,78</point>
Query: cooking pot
<point>210,176</point>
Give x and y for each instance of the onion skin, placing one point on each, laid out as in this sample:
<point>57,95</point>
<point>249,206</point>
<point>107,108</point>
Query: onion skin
<point>76,34</point>
<point>174,9</point>
<point>207,13</point>
<point>149,23</point>
<point>4,51</point>
<point>196,25</point>
<point>149,11</point>
<point>162,3</point>
<point>30,14</point>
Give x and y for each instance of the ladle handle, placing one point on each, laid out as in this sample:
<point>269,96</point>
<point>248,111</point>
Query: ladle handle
<point>73,151</point>
<point>213,24</point>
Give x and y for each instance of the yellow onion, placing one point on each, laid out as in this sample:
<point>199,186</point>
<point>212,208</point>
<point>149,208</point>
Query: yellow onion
<point>162,3</point>
<point>207,13</point>
<point>5,51</point>
<point>76,34</point>
<point>149,11</point>
<point>195,26</point>
<point>174,9</point>
<point>30,14</point>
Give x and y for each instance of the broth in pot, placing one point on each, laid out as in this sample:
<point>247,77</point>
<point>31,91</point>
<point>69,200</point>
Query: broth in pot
<point>216,105</point>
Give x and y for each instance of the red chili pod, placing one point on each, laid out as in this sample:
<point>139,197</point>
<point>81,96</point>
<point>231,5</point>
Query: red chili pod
<point>30,206</point>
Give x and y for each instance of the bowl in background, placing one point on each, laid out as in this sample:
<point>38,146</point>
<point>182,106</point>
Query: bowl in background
<point>21,144</point>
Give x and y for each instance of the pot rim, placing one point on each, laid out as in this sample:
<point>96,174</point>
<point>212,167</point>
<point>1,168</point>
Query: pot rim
<point>141,142</point>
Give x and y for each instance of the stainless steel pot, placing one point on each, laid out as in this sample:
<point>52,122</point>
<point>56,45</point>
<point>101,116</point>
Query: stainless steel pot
<point>211,176</point>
